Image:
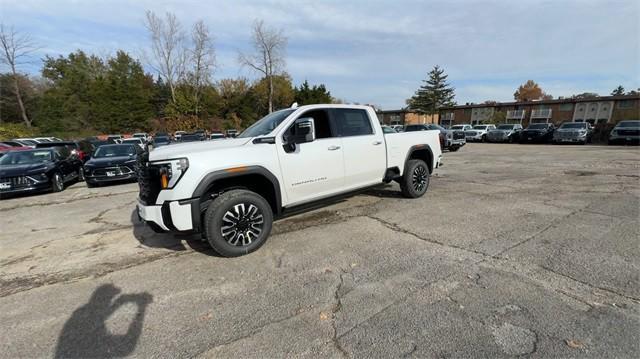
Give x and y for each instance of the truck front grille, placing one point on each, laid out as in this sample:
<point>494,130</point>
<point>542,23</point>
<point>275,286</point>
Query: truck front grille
<point>148,180</point>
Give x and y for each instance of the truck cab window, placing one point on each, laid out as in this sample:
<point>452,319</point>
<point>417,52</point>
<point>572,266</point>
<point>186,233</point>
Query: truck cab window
<point>321,124</point>
<point>352,122</point>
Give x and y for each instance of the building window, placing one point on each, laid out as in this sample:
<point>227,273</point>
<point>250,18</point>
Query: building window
<point>625,104</point>
<point>467,111</point>
<point>604,108</point>
<point>566,107</point>
<point>581,109</point>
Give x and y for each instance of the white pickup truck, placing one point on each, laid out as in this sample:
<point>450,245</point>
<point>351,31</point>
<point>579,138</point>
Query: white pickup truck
<point>231,191</point>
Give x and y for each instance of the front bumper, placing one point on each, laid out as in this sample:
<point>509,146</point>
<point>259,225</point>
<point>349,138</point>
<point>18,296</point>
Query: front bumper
<point>575,139</point>
<point>474,138</point>
<point>106,179</point>
<point>624,139</point>
<point>40,186</point>
<point>183,215</point>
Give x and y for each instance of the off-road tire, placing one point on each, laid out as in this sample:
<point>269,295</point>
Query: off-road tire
<point>215,219</point>
<point>415,180</point>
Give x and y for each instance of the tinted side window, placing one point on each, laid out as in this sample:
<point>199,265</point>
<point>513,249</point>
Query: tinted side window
<point>321,124</point>
<point>352,122</point>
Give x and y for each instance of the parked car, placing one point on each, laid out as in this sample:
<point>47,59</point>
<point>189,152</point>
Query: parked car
<point>573,132</point>
<point>388,129</point>
<point>201,133</point>
<point>191,137</point>
<point>160,141</point>
<point>142,135</point>
<point>232,133</point>
<point>112,163</point>
<point>449,140</point>
<point>537,133</point>
<point>398,128</point>
<point>34,170</point>
<point>83,149</point>
<point>178,134</point>
<point>5,148</point>
<point>135,141</point>
<point>114,138</point>
<point>625,132</point>
<point>216,136</point>
<point>25,142</point>
<point>12,143</point>
<point>311,152</point>
<point>505,133</point>
<point>478,133</point>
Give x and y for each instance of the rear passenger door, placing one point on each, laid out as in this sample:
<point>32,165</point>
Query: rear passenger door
<point>364,151</point>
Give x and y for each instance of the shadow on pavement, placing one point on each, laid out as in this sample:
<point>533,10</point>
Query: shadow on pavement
<point>173,241</point>
<point>85,334</point>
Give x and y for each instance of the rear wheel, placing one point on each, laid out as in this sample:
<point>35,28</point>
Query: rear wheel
<point>57,183</point>
<point>238,222</point>
<point>80,175</point>
<point>415,181</point>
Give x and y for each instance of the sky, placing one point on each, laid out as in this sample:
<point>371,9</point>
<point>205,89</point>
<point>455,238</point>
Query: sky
<point>375,52</point>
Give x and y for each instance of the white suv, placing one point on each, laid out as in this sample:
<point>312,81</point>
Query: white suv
<point>478,133</point>
<point>232,190</point>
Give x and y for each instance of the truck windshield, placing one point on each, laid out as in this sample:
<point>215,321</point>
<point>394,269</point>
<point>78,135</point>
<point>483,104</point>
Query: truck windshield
<point>25,157</point>
<point>266,124</point>
<point>505,127</point>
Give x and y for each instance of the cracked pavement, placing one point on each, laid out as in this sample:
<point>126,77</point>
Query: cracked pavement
<point>514,251</point>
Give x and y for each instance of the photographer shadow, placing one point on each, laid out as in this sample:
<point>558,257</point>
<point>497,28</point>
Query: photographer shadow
<point>85,334</point>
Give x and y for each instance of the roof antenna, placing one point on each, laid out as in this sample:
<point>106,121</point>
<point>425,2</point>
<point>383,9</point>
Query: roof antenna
<point>294,105</point>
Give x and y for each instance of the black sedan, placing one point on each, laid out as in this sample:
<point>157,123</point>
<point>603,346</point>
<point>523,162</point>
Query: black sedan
<point>47,169</point>
<point>112,163</point>
<point>537,133</point>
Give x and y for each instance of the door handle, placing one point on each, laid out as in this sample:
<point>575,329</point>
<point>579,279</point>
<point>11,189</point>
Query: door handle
<point>333,148</point>
<point>375,143</point>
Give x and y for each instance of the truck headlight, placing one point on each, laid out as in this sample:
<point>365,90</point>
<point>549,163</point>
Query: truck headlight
<point>171,171</point>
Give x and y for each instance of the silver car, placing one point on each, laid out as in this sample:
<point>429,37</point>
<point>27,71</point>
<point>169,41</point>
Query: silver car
<point>573,132</point>
<point>505,133</point>
<point>625,132</point>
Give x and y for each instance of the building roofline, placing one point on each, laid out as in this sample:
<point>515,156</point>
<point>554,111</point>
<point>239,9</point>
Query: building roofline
<point>544,102</point>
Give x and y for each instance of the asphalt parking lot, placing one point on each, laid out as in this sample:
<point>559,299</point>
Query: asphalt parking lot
<point>515,250</point>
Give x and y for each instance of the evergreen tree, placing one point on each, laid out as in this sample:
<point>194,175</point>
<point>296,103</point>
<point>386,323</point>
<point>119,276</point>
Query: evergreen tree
<point>309,95</point>
<point>618,91</point>
<point>434,94</point>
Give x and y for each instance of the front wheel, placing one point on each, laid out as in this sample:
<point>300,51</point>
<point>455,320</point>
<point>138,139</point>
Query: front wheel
<point>415,181</point>
<point>238,222</point>
<point>57,183</point>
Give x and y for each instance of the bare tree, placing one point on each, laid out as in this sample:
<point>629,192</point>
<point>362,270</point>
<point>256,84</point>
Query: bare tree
<point>269,51</point>
<point>168,48</point>
<point>16,47</point>
<point>203,60</point>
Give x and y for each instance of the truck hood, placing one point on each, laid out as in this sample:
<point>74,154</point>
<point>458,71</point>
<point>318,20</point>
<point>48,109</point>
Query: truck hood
<point>184,149</point>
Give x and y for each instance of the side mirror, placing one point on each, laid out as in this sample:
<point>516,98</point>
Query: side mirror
<point>302,131</point>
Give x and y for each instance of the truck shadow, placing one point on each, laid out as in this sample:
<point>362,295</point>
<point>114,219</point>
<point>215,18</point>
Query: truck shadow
<point>172,241</point>
<point>85,334</point>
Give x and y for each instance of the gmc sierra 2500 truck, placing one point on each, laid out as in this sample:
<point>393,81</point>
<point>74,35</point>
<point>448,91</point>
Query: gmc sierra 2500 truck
<point>231,190</point>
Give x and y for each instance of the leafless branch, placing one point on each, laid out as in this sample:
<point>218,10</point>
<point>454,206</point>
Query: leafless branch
<point>268,58</point>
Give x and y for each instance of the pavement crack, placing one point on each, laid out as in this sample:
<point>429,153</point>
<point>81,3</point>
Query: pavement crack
<point>607,290</point>
<point>541,231</point>
<point>397,228</point>
<point>337,306</point>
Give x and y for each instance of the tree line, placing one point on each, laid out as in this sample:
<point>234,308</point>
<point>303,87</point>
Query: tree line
<point>85,93</point>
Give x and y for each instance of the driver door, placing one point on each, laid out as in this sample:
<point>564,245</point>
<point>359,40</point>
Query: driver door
<point>313,169</point>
